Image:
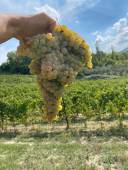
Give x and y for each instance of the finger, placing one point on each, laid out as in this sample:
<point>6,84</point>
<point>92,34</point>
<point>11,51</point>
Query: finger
<point>51,26</point>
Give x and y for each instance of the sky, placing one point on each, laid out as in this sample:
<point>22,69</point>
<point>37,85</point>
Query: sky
<point>102,23</point>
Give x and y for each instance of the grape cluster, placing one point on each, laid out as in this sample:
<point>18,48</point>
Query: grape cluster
<point>56,60</point>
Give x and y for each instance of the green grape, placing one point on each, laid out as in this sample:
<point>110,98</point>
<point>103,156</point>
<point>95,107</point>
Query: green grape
<point>56,60</point>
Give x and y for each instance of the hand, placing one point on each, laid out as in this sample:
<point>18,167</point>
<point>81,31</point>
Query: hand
<point>23,27</point>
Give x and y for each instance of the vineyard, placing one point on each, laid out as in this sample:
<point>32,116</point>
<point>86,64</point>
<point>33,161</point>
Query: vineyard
<point>92,125</point>
<point>64,85</point>
<point>21,101</point>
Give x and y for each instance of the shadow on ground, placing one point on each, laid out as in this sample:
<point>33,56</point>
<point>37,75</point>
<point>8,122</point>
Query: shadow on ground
<point>70,133</point>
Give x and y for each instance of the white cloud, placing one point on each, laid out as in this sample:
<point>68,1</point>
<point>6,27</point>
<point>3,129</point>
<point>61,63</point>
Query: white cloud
<point>72,8</point>
<point>67,8</point>
<point>115,36</point>
<point>7,47</point>
<point>66,11</point>
<point>20,7</point>
<point>77,21</point>
<point>72,5</point>
<point>3,54</point>
<point>49,11</point>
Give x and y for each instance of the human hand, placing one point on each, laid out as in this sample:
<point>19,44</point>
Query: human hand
<point>23,27</point>
<point>34,25</point>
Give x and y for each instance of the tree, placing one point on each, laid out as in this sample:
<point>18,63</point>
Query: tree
<point>15,64</point>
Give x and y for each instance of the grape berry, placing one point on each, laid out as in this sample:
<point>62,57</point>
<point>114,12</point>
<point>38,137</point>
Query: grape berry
<point>56,60</point>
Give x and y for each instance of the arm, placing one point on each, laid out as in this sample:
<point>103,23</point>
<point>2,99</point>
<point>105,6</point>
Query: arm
<point>8,30</point>
<point>22,27</point>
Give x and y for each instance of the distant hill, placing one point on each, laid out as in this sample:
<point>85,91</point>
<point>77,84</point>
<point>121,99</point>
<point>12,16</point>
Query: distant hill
<point>124,50</point>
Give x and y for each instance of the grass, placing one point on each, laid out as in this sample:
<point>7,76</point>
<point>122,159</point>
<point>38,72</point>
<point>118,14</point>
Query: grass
<point>53,148</point>
<point>47,147</point>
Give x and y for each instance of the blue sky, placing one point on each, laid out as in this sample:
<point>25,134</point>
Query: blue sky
<point>101,22</point>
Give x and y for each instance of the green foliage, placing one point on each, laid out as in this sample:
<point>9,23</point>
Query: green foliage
<point>115,63</point>
<point>15,64</point>
<point>101,58</point>
<point>105,64</point>
<point>97,99</point>
<point>20,100</point>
